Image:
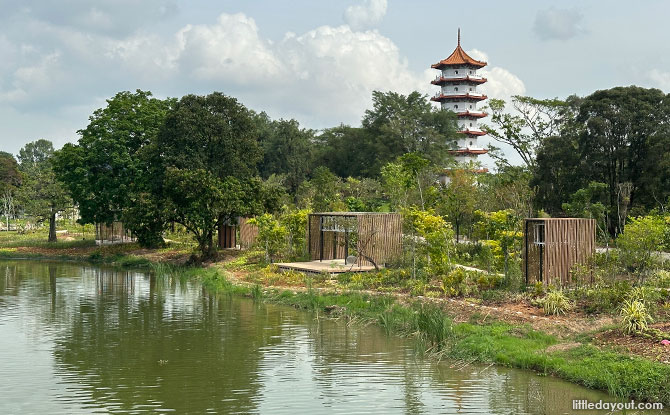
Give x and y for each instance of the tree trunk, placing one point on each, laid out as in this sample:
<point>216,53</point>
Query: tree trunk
<point>52,227</point>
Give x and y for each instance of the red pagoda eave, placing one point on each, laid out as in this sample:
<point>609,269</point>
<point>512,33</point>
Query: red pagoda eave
<point>468,151</point>
<point>442,97</point>
<point>442,80</point>
<point>482,170</point>
<point>472,114</point>
<point>473,132</point>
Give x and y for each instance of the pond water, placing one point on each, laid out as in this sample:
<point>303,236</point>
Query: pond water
<point>85,339</point>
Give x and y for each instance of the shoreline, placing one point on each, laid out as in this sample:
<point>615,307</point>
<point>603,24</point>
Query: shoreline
<point>438,324</point>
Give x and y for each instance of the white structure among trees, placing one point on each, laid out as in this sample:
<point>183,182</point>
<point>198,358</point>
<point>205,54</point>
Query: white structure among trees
<point>458,81</point>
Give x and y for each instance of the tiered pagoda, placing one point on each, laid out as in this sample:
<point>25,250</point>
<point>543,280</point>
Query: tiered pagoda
<point>458,81</point>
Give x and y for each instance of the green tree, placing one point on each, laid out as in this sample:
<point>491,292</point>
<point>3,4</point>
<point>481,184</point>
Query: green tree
<point>10,180</point>
<point>508,188</point>
<point>295,223</point>
<point>459,199</point>
<point>501,231</point>
<point>611,142</point>
<point>364,195</point>
<point>534,120</point>
<point>197,200</point>
<point>109,172</point>
<point>409,124</point>
<point>287,150</point>
<point>639,242</point>
<point>210,140</point>
<point>590,203</point>
<point>431,240</point>
<point>42,195</point>
<point>322,193</point>
<point>347,151</point>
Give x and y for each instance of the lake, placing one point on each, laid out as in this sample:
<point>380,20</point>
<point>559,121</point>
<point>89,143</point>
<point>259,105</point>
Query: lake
<point>88,339</point>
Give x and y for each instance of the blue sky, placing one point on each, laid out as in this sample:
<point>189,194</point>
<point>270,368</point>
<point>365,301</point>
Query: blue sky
<point>316,61</point>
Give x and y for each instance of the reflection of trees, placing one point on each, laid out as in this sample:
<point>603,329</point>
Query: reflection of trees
<point>133,351</point>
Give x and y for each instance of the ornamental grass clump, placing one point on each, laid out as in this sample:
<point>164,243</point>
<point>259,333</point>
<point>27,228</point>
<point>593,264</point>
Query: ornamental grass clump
<point>634,316</point>
<point>556,303</point>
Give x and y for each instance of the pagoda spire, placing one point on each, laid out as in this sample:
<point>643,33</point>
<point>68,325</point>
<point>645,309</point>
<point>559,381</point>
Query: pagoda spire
<point>459,36</point>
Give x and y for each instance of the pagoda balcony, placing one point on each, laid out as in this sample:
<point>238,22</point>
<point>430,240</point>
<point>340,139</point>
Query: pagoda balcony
<point>469,131</point>
<point>468,152</point>
<point>472,114</point>
<point>475,96</point>
<point>441,79</point>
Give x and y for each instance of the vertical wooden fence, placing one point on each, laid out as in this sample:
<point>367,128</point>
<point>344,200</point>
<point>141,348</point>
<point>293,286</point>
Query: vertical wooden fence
<point>335,235</point>
<point>552,246</point>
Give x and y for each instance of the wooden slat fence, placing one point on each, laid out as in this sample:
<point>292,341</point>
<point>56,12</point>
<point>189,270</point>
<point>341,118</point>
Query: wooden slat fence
<point>248,233</point>
<point>549,255</point>
<point>379,233</point>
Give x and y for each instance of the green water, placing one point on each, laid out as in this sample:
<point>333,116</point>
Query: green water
<point>84,339</point>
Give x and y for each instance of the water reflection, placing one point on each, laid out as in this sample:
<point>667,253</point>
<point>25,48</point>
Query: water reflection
<point>78,339</point>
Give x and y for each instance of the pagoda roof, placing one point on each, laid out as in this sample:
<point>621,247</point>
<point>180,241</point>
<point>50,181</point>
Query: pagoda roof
<point>459,57</point>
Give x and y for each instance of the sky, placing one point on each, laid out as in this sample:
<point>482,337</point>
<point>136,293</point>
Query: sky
<point>312,60</point>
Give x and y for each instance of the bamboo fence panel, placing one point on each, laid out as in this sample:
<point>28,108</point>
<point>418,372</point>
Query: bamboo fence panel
<point>567,241</point>
<point>380,233</point>
<point>248,233</point>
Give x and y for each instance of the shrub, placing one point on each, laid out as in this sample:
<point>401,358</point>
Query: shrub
<point>556,303</point>
<point>453,284</point>
<point>635,318</point>
<point>637,245</point>
<point>607,299</point>
<point>662,279</point>
<point>271,235</point>
<point>489,281</point>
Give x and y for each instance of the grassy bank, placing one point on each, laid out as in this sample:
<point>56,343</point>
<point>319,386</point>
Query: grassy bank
<point>517,346</point>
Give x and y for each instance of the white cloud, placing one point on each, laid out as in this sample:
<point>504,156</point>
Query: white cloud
<point>660,79</point>
<point>366,15</point>
<point>32,81</point>
<point>322,77</point>
<point>558,24</point>
<point>501,84</point>
<point>231,49</point>
<point>325,75</point>
<point>116,18</point>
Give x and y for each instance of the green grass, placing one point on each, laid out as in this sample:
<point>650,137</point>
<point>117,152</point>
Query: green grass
<point>38,239</point>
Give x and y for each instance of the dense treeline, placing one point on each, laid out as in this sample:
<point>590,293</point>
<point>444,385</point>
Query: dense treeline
<point>200,161</point>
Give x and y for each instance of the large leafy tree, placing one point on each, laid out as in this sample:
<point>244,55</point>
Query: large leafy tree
<point>409,124</point>
<point>619,138</point>
<point>532,121</point>
<point>508,188</point>
<point>10,179</point>
<point>109,171</point>
<point>42,195</point>
<point>348,151</point>
<point>209,152</point>
<point>287,150</point>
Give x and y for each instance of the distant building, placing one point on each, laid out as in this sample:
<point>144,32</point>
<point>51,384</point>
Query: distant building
<point>458,81</point>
